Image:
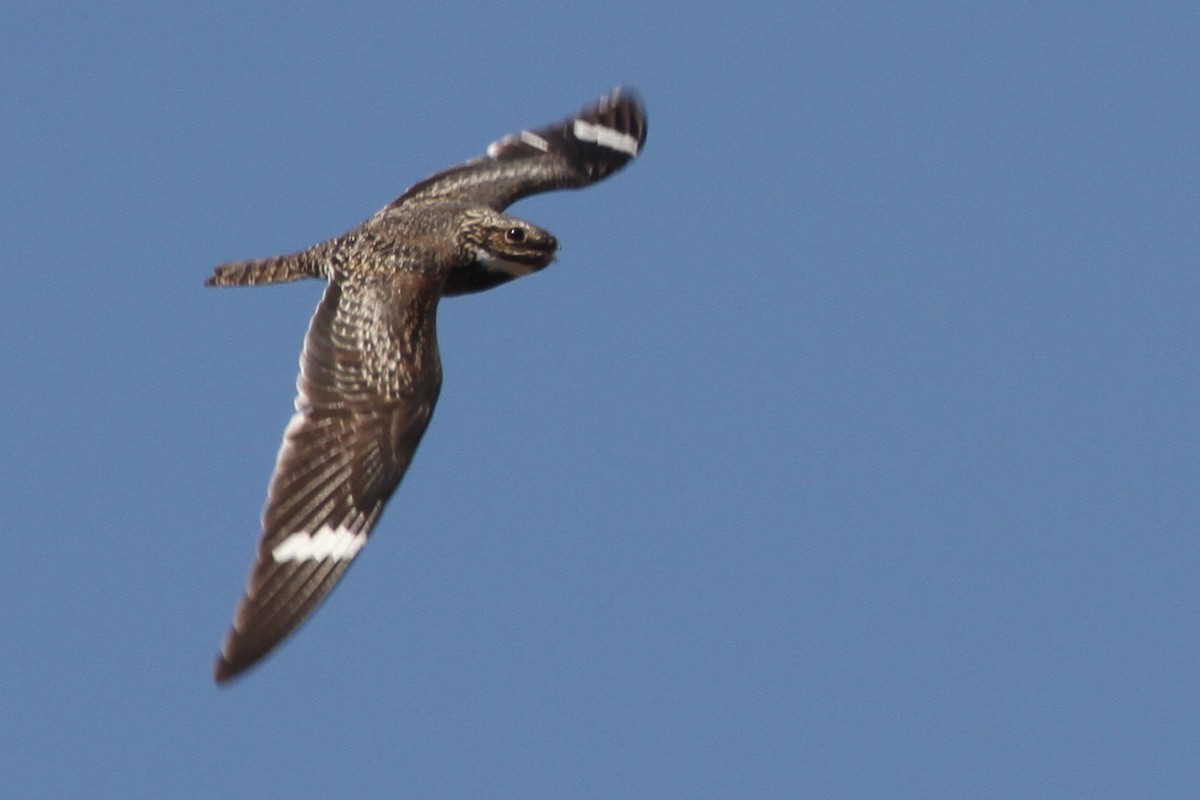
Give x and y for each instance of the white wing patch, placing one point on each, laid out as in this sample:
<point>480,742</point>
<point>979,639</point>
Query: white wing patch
<point>605,137</point>
<point>340,544</point>
<point>526,137</point>
<point>533,140</point>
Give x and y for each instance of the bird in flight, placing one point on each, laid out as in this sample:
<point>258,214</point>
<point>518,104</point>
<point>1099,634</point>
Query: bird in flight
<point>370,372</point>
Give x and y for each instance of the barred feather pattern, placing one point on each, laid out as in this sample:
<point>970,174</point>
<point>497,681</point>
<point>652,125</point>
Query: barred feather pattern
<point>370,370</point>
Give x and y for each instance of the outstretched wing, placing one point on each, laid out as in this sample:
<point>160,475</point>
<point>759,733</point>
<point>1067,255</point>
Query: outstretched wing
<point>575,152</point>
<point>369,378</point>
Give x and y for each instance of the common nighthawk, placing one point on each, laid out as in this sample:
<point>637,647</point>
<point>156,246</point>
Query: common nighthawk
<point>370,371</point>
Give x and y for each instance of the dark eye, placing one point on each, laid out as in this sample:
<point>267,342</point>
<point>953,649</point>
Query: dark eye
<point>515,235</point>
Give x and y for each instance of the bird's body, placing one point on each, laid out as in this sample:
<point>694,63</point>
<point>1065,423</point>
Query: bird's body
<point>370,372</point>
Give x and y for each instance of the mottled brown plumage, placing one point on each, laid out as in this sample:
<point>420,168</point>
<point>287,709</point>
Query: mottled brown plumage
<point>370,372</point>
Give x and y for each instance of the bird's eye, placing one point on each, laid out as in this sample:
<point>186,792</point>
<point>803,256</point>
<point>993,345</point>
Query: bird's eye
<point>515,235</point>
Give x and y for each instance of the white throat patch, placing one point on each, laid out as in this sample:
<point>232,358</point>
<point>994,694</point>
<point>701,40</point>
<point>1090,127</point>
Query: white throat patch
<point>493,263</point>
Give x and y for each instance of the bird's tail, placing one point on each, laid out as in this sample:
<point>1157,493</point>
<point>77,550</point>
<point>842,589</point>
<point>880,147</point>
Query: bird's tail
<point>280,269</point>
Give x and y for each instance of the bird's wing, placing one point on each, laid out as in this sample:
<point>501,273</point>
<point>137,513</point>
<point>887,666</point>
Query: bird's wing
<point>572,153</point>
<point>369,378</point>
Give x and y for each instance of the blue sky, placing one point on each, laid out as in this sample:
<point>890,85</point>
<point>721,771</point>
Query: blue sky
<point>848,450</point>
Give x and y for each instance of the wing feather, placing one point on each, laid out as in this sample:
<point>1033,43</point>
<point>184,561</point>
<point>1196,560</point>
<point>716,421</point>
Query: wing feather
<point>343,454</point>
<point>575,152</point>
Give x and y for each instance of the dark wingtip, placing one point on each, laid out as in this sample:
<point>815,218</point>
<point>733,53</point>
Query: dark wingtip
<point>224,671</point>
<point>621,110</point>
<point>629,96</point>
<point>623,91</point>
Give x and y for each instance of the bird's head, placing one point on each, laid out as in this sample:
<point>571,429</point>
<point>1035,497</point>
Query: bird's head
<point>507,244</point>
<point>497,249</point>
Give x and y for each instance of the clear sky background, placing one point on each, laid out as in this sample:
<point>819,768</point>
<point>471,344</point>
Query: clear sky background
<point>850,449</point>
